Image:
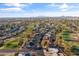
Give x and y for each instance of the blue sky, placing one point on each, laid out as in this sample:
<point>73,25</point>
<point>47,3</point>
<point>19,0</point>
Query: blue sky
<point>38,9</point>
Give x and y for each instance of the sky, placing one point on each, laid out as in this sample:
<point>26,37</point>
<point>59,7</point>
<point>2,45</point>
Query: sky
<point>38,9</point>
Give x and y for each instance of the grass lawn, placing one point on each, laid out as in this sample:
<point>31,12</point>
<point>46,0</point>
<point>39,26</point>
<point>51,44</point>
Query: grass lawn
<point>66,35</point>
<point>10,44</point>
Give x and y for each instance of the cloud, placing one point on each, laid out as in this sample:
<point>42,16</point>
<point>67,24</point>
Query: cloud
<point>16,4</point>
<point>52,5</point>
<point>64,10</point>
<point>61,7</point>
<point>64,7</point>
<point>11,9</point>
<point>14,7</point>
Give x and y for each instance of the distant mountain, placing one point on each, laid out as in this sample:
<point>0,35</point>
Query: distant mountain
<point>40,17</point>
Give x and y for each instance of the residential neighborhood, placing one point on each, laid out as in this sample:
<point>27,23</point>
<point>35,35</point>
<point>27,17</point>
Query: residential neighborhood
<point>52,36</point>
